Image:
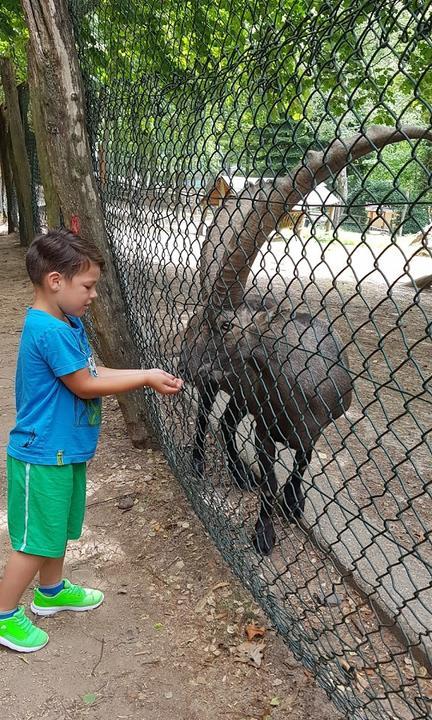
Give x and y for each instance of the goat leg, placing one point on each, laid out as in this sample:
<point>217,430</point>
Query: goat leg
<point>242,475</point>
<point>293,498</point>
<point>265,536</point>
<point>205,403</point>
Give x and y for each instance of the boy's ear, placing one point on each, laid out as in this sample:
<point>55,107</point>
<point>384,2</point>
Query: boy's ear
<point>53,280</point>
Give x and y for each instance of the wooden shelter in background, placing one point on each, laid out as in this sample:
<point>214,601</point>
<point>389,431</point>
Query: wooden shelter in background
<point>379,217</point>
<point>320,206</point>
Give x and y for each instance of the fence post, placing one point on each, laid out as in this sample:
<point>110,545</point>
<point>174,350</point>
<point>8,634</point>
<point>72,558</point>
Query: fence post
<point>6,170</point>
<point>60,96</point>
<point>20,163</point>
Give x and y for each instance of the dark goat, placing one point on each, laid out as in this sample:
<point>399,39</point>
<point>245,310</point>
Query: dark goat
<point>289,371</point>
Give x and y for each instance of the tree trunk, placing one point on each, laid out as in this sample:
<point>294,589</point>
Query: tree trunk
<point>55,66</point>
<point>2,199</point>
<point>20,163</point>
<point>40,129</point>
<point>403,216</point>
<point>7,174</point>
<point>341,187</point>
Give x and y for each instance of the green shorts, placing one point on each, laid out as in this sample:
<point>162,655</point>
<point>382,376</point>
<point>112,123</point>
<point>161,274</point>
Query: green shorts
<point>46,506</point>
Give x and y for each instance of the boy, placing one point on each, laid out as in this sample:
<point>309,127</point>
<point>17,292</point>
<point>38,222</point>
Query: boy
<point>58,391</point>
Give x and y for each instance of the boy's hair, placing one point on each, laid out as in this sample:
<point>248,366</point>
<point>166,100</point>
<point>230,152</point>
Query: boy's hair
<point>62,251</point>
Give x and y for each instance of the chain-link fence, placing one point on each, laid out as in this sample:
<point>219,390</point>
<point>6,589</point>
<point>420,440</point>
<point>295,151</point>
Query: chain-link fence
<point>38,199</point>
<point>265,172</point>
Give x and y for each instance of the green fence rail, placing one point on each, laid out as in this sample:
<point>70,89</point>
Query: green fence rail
<point>265,171</point>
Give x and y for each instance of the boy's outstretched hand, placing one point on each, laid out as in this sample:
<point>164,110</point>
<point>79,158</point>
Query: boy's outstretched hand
<point>163,382</point>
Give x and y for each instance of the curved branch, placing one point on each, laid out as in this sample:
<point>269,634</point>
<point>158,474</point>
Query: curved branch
<point>340,153</point>
<point>258,209</point>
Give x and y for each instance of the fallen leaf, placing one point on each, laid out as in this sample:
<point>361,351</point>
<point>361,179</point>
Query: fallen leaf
<point>347,667</point>
<point>251,653</point>
<point>89,698</point>
<point>421,671</point>
<point>206,600</point>
<point>253,631</point>
<point>361,681</point>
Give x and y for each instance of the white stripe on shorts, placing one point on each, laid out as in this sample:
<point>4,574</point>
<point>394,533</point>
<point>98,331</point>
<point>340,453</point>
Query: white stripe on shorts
<point>27,492</point>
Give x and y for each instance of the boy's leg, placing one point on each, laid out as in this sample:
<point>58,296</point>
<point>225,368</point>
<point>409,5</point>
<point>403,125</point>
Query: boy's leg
<point>18,574</point>
<point>51,600</point>
<point>51,571</point>
<point>16,630</point>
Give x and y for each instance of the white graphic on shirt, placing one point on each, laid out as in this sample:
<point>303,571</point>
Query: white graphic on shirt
<point>92,366</point>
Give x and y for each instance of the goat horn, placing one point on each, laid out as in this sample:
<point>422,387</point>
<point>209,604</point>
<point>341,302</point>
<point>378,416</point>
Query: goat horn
<point>257,214</point>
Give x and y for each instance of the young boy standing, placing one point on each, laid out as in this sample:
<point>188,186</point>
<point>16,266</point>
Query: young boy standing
<point>58,391</point>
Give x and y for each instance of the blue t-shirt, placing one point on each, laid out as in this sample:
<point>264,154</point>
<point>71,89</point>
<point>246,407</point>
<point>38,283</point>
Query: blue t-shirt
<point>53,426</point>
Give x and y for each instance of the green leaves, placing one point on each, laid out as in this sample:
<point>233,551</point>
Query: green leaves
<point>13,36</point>
<point>89,698</point>
<point>197,87</point>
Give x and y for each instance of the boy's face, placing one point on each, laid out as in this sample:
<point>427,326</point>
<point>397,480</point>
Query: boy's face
<point>75,295</point>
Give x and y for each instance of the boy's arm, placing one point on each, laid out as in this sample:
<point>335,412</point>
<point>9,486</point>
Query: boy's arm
<point>113,382</point>
<point>103,371</point>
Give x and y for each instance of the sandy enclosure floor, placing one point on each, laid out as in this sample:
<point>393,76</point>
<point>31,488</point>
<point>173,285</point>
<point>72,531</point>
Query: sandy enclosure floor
<point>374,463</point>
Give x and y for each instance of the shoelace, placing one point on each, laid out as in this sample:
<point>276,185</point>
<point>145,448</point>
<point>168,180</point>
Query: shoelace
<point>75,590</point>
<point>23,621</point>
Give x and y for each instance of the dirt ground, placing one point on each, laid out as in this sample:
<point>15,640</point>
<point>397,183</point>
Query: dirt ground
<point>168,641</point>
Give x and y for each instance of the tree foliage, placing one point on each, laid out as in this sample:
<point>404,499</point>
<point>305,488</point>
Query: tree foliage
<point>190,89</point>
<point>249,67</point>
<point>14,36</point>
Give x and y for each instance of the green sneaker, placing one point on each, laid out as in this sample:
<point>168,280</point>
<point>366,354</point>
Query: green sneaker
<point>19,633</point>
<point>72,597</point>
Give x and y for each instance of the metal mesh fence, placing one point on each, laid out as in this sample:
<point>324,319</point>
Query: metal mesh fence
<point>38,200</point>
<point>265,173</point>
